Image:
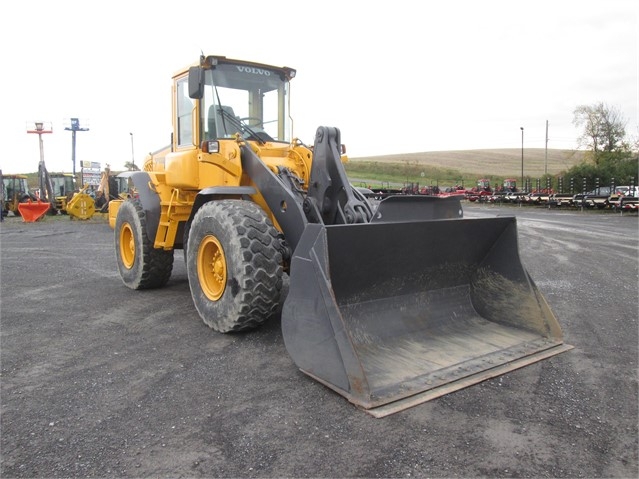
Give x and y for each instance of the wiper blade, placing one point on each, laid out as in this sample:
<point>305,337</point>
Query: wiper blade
<point>238,124</point>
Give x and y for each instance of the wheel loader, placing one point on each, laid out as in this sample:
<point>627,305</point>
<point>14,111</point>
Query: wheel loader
<point>389,304</point>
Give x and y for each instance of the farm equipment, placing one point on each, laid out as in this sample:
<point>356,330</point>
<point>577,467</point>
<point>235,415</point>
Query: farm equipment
<point>15,191</point>
<point>31,211</point>
<point>58,189</point>
<point>82,205</point>
<point>79,204</point>
<point>510,184</point>
<point>388,305</point>
<point>64,186</point>
<point>624,198</point>
<point>481,192</point>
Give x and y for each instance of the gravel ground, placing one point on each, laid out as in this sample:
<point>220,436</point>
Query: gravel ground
<point>101,381</point>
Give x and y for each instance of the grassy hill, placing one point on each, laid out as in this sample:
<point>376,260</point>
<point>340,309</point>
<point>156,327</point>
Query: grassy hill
<point>451,167</point>
<point>505,162</point>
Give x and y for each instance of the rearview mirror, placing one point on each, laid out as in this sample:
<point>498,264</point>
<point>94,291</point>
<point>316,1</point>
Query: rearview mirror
<point>196,83</point>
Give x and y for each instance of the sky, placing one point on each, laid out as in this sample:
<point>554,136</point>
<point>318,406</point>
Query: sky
<point>397,76</point>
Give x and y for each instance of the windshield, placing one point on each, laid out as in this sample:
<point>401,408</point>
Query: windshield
<point>246,100</point>
<point>602,190</point>
<point>14,186</point>
<point>62,185</point>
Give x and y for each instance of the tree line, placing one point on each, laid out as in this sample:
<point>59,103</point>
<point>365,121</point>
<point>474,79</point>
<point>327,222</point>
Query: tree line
<point>611,156</point>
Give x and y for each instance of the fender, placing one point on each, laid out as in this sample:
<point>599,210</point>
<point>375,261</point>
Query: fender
<point>208,194</point>
<point>149,199</point>
<point>227,191</point>
<point>213,192</point>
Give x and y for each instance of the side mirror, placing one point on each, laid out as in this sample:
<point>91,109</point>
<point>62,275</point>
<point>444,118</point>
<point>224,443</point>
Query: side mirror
<point>196,83</point>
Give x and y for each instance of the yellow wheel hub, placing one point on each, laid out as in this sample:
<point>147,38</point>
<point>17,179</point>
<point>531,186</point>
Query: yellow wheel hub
<point>127,246</point>
<point>211,268</point>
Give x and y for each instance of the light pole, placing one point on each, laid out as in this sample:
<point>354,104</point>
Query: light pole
<point>132,155</point>
<point>39,127</point>
<point>522,157</point>
<point>75,127</point>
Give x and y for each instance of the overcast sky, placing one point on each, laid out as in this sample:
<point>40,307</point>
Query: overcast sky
<point>395,77</point>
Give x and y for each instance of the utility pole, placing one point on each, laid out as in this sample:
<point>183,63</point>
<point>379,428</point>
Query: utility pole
<point>75,126</point>
<point>546,161</point>
<point>522,157</point>
<point>132,155</point>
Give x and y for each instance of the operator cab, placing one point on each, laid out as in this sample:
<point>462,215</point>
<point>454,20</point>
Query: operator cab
<point>235,97</point>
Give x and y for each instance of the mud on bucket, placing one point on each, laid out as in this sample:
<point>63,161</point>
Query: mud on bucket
<point>391,315</point>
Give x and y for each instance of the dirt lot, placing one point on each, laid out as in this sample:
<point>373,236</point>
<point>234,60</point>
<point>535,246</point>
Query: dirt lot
<point>101,381</point>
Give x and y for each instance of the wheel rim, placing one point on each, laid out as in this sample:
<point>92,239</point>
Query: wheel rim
<point>127,246</point>
<point>211,268</point>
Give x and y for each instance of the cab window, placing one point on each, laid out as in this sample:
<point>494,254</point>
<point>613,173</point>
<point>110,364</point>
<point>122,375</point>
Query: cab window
<point>184,110</point>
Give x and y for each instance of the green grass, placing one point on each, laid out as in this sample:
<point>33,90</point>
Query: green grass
<point>447,168</point>
<point>380,174</point>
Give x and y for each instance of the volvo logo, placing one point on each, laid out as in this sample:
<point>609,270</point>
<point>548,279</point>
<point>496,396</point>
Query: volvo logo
<point>255,71</point>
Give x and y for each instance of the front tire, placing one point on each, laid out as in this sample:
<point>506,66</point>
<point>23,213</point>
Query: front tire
<point>141,266</point>
<point>234,265</point>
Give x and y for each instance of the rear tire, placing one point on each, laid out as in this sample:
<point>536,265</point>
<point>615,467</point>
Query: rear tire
<point>141,266</point>
<point>234,265</point>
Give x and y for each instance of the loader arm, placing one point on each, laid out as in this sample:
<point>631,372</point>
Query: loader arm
<point>331,199</point>
<point>46,186</point>
<point>282,199</point>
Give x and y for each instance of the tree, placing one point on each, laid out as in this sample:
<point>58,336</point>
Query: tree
<point>604,130</point>
<point>131,166</point>
<point>604,134</point>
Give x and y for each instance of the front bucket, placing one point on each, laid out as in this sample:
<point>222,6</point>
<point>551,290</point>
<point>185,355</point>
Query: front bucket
<point>32,212</point>
<point>391,315</point>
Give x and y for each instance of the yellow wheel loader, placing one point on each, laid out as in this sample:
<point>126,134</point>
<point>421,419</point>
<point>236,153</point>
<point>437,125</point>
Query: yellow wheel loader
<point>389,305</point>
